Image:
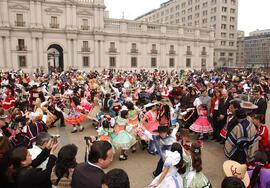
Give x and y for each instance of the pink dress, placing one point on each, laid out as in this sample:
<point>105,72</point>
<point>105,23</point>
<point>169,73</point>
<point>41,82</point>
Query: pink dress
<point>152,123</point>
<point>202,125</point>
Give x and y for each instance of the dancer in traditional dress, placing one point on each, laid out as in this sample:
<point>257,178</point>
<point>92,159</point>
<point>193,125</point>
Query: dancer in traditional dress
<point>75,117</point>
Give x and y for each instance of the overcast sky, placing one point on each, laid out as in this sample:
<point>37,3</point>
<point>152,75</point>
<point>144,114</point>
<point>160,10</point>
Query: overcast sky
<point>253,14</point>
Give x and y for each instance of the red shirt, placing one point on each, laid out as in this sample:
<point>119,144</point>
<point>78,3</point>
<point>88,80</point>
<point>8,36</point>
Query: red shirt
<point>263,132</point>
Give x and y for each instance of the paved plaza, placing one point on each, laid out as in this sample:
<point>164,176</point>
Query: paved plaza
<point>140,165</point>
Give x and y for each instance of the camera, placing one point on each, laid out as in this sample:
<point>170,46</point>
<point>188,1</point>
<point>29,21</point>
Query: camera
<point>87,138</point>
<point>55,137</point>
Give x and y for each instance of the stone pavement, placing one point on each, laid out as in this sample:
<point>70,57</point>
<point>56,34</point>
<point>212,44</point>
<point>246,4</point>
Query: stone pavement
<point>140,165</point>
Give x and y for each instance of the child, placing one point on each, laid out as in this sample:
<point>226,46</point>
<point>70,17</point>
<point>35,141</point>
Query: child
<point>261,130</point>
<point>123,140</point>
<point>183,138</point>
<point>196,178</point>
<point>173,162</point>
<point>201,125</point>
<point>74,116</point>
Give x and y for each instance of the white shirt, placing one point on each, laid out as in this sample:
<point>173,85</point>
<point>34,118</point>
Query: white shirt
<point>35,151</point>
<point>95,165</point>
<point>216,105</point>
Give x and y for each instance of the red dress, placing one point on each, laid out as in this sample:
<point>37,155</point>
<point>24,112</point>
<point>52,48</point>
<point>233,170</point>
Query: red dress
<point>9,102</point>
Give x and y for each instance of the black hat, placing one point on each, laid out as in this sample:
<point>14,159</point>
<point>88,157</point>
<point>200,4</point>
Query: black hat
<point>240,114</point>
<point>161,129</point>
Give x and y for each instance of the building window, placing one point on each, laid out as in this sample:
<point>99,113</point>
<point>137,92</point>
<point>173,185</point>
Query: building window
<point>204,20</point>
<point>232,19</point>
<point>222,54</point>
<point>172,51</point>
<point>230,54</point>
<point>224,9</point>
<point>223,43</point>
<point>171,62</point>
<point>112,48</point>
<point>231,35</point>
<point>112,61</point>
<point>19,22</point>
<point>133,61</point>
<point>203,63</point>
<point>231,43</point>
<point>205,13</point>
<point>153,62</point>
<point>223,26</point>
<point>205,4</point>
<point>231,27</point>
<point>224,1</point>
<point>154,49</point>
<point>189,50</point>
<point>85,24</point>
<point>203,50</point>
<point>223,35</point>
<point>85,61</point>
<point>233,2</point>
<point>21,46</point>
<point>188,62</point>
<point>214,10</point>
<point>54,22</point>
<point>232,10</point>
<point>224,18</point>
<point>22,61</point>
<point>85,47</point>
<point>197,15</point>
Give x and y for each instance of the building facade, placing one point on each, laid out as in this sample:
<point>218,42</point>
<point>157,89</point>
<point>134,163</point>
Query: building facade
<point>65,34</point>
<point>221,15</point>
<point>257,49</point>
<point>240,54</point>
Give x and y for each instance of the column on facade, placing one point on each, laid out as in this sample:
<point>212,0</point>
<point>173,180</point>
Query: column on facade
<point>2,59</point>
<point>96,18</point>
<point>68,13</point>
<point>121,62</point>
<point>32,14</point>
<point>8,52</point>
<point>75,55</point>
<point>39,14</point>
<point>144,63</point>
<point>34,54</point>
<point>74,17</point>
<point>69,57</point>
<point>162,63</point>
<point>96,63</point>
<point>196,56</point>
<point>210,59</point>
<point>102,54</point>
<point>40,53</point>
<point>4,10</point>
<point>181,59</point>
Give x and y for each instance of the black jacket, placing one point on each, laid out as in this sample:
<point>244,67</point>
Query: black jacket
<point>86,175</point>
<point>223,107</point>
<point>262,106</point>
<point>36,177</point>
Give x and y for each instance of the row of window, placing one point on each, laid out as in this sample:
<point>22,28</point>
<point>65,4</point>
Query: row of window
<point>112,62</point>
<point>53,24</point>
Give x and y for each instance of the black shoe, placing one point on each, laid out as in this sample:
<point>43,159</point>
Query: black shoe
<point>154,174</point>
<point>125,155</point>
<point>133,149</point>
<point>81,130</point>
<point>52,126</point>
<point>205,137</point>
<point>150,152</point>
<point>214,138</point>
<point>222,142</point>
<point>218,140</point>
<point>123,158</point>
<point>200,137</point>
<point>74,131</point>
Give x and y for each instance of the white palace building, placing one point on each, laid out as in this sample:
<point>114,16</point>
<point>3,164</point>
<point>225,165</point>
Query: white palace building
<point>78,34</point>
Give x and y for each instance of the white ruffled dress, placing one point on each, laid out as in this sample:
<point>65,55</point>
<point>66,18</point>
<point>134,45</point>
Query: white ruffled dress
<point>172,179</point>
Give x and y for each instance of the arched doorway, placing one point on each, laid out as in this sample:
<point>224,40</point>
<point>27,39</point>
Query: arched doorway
<point>55,58</point>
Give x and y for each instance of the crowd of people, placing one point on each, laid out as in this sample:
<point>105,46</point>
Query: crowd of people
<point>160,111</point>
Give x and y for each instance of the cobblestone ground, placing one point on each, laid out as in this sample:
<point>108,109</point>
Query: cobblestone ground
<point>140,165</point>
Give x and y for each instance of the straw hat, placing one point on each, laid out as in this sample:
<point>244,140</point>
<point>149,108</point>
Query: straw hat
<point>150,105</point>
<point>248,105</point>
<point>234,169</point>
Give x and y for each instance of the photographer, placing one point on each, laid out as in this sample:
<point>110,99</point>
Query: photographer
<point>42,139</point>
<point>90,174</point>
<point>24,172</point>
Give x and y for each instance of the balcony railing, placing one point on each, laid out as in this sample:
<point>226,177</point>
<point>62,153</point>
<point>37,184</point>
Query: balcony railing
<point>84,49</point>
<point>172,52</point>
<point>85,27</point>
<point>188,53</point>
<point>204,53</point>
<point>112,50</point>
<point>54,26</point>
<point>19,24</point>
<point>21,48</point>
<point>134,51</point>
<point>154,51</point>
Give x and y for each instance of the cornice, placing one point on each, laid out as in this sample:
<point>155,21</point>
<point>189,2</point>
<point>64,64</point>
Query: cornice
<point>19,7</point>
<point>53,10</point>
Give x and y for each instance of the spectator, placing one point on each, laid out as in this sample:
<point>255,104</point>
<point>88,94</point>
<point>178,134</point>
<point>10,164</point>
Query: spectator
<point>65,164</point>
<point>115,178</point>
<point>24,172</point>
<point>242,141</point>
<point>262,131</point>
<point>3,124</point>
<point>234,169</point>
<point>261,103</point>
<point>232,182</point>
<point>259,177</point>
<point>41,142</point>
<point>91,173</point>
<point>4,160</point>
